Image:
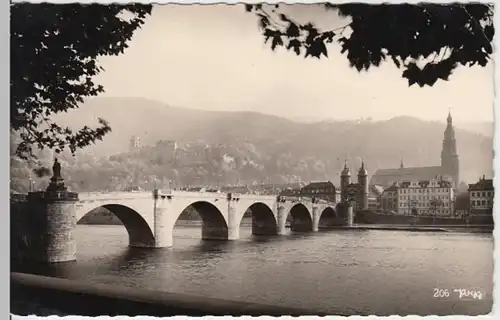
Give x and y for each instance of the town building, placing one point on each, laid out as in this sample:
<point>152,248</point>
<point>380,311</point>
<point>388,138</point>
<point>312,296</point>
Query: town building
<point>320,190</point>
<point>374,197</point>
<point>449,167</point>
<point>481,196</point>
<point>169,146</point>
<point>167,151</point>
<point>192,154</point>
<point>434,197</point>
<point>236,189</point>
<point>390,198</point>
<point>292,189</point>
<point>135,143</point>
<point>356,193</point>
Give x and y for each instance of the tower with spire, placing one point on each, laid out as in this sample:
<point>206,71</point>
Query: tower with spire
<point>355,192</point>
<point>449,154</point>
<point>362,201</point>
<point>345,180</point>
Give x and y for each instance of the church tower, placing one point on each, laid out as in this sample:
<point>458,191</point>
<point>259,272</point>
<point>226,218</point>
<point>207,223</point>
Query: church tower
<point>362,200</point>
<point>449,155</point>
<point>345,180</point>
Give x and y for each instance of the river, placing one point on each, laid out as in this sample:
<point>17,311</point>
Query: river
<point>344,272</point>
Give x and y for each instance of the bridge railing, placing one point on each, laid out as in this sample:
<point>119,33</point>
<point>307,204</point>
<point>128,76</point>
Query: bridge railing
<point>114,195</point>
<point>196,194</point>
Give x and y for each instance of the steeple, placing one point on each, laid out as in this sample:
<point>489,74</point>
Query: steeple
<point>362,171</point>
<point>449,154</point>
<point>345,180</point>
<point>362,192</point>
<point>402,165</point>
<point>346,171</point>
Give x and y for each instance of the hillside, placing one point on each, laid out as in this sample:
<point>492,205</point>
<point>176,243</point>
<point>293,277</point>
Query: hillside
<point>258,147</point>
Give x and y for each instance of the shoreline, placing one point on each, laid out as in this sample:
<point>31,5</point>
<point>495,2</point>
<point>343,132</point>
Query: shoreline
<point>435,228</point>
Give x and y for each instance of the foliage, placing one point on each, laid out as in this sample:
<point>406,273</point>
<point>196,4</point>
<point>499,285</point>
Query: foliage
<point>439,37</point>
<point>53,59</point>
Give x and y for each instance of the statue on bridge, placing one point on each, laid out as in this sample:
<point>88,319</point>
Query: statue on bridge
<point>56,169</point>
<point>56,182</point>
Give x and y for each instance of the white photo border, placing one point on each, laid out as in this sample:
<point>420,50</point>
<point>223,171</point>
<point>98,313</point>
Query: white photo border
<point>4,234</point>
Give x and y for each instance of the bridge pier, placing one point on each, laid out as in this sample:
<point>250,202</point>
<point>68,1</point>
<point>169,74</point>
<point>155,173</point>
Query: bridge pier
<point>50,220</point>
<point>315,218</point>
<point>163,236</point>
<point>349,214</point>
<point>282,215</point>
<point>233,225</point>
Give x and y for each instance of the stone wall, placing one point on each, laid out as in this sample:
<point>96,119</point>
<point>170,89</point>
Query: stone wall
<point>18,232</point>
<point>41,228</point>
<point>79,298</point>
<point>371,217</point>
<point>481,219</point>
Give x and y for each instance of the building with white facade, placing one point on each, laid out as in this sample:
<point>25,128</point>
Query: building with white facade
<point>481,196</point>
<point>433,197</point>
<point>135,143</point>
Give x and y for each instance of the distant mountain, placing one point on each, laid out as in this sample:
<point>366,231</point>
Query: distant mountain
<point>485,128</point>
<point>278,148</point>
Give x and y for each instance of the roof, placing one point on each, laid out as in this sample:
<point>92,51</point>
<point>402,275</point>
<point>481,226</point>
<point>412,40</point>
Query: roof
<point>286,192</point>
<point>295,185</point>
<point>236,189</point>
<point>319,185</point>
<point>425,184</point>
<point>376,189</point>
<point>385,177</point>
<point>482,184</point>
<point>394,187</point>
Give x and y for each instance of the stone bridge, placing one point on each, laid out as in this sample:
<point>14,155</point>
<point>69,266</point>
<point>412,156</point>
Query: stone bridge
<point>149,217</point>
<point>43,222</point>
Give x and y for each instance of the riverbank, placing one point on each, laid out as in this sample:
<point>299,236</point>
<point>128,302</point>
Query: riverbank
<point>379,218</point>
<point>33,294</point>
<point>419,228</point>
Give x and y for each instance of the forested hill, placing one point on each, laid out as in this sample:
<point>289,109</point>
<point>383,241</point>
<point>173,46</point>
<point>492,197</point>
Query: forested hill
<point>251,147</point>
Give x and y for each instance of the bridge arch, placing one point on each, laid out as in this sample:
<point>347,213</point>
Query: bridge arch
<point>138,229</point>
<point>214,224</point>
<point>329,217</point>
<point>301,220</point>
<point>263,219</point>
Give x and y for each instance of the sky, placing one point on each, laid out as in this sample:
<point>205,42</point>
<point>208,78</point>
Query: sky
<point>213,57</point>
